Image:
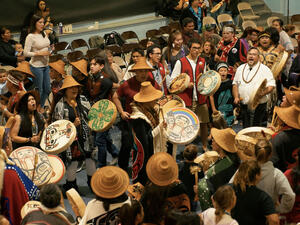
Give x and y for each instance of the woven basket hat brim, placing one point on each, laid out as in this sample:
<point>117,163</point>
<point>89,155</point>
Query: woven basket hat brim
<point>162,169</point>
<point>224,138</point>
<point>109,182</point>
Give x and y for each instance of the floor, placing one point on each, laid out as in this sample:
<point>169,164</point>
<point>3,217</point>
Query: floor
<point>116,136</point>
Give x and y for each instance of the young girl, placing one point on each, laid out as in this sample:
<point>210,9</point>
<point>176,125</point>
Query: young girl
<point>209,52</point>
<point>222,100</point>
<point>223,201</point>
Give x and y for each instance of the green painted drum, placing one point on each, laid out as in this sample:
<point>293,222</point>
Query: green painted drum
<point>40,170</point>
<point>209,83</point>
<point>102,115</point>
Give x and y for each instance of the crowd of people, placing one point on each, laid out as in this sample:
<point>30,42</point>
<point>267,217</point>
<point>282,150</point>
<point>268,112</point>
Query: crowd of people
<point>147,181</point>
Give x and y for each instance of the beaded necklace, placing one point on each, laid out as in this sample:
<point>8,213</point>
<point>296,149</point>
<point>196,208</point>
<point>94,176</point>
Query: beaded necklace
<point>247,82</point>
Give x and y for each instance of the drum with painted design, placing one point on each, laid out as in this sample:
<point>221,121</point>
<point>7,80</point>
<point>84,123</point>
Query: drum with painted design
<point>76,202</point>
<point>256,95</point>
<point>58,168</point>
<point>279,64</point>
<point>58,136</point>
<point>209,83</point>
<point>182,125</point>
<point>29,206</point>
<point>179,83</point>
<point>168,102</point>
<point>34,163</point>
<point>102,115</point>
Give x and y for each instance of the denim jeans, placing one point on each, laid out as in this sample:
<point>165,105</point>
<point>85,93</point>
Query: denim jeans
<point>104,143</point>
<point>42,82</point>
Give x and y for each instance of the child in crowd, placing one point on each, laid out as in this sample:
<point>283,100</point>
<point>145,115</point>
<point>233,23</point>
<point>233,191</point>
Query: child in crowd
<point>185,174</point>
<point>222,100</point>
<point>209,52</point>
<point>3,88</point>
<point>18,49</point>
<point>223,201</point>
<point>131,214</point>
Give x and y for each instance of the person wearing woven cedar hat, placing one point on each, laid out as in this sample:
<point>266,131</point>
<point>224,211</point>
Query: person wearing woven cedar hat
<point>75,108</point>
<point>14,84</point>
<point>222,170</point>
<point>57,74</point>
<point>80,74</point>
<point>15,187</point>
<point>109,184</point>
<point>148,132</point>
<point>126,91</point>
<point>286,138</point>
<point>291,97</point>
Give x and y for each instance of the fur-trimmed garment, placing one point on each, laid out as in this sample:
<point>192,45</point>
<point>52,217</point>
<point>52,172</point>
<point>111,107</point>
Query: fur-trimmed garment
<point>151,137</point>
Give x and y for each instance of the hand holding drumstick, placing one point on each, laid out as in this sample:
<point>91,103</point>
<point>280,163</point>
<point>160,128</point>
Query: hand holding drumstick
<point>74,105</point>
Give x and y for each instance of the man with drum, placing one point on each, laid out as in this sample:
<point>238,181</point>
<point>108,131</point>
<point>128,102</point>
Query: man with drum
<point>247,80</point>
<point>231,50</point>
<point>126,92</point>
<point>194,65</point>
<point>158,74</point>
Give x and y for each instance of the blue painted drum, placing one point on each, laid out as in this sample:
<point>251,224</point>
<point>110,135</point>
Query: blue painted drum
<point>209,83</point>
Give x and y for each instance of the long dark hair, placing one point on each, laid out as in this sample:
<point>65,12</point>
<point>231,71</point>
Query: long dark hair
<point>172,38</point>
<point>23,112</point>
<point>275,37</point>
<point>34,19</point>
<point>128,213</point>
<point>296,176</point>
<point>37,7</point>
<point>108,201</point>
<point>107,69</point>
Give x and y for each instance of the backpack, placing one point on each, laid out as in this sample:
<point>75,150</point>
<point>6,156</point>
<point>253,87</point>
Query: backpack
<point>113,38</point>
<point>109,218</point>
<point>96,41</point>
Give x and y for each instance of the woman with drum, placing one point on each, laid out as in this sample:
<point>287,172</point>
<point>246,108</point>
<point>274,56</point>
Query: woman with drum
<point>75,108</point>
<point>147,130</point>
<point>29,123</point>
<point>175,50</point>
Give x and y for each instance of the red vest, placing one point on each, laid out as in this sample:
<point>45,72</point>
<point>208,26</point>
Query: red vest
<point>187,95</point>
<point>163,74</point>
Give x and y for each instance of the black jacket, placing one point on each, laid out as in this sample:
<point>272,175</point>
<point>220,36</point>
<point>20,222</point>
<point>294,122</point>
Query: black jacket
<point>7,53</point>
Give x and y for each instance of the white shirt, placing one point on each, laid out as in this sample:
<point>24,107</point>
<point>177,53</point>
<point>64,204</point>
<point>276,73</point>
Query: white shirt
<point>245,90</point>
<point>177,71</point>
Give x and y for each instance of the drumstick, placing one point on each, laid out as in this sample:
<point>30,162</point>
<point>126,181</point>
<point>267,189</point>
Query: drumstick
<point>162,114</point>
<point>74,104</point>
<point>163,80</point>
<point>36,158</point>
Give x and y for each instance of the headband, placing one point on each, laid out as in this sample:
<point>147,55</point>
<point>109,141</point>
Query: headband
<point>264,35</point>
<point>228,29</point>
<point>16,82</point>
<point>220,65</point>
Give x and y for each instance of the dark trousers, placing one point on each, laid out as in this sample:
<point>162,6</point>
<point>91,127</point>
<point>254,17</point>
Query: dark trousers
<point>255,118</point>
<point>126,144</point>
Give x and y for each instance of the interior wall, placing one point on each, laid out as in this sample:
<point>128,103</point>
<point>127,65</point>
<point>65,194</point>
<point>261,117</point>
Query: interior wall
<point>281,6</point>
<point>13,12</point>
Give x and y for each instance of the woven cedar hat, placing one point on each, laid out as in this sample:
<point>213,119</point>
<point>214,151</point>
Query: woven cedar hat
<point>205,156</point>
<point>8,124</point>
<point>162,169</point>
<point>69,81</point>
<point>109,182</point>
<point>58,66</point>
<point>24,67</point>
<point>81,65</point>
<point>293,95</point>
<point>289,115</point>
<point>147,93</point>
<point>141,65</point>
<point>224,138</point>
